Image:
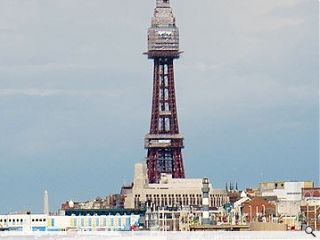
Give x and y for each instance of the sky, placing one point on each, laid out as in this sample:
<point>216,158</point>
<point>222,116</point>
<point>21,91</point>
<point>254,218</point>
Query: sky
<point>75,94</point>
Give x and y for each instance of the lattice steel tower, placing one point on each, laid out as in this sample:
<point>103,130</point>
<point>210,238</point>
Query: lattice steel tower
<point>164,142</point>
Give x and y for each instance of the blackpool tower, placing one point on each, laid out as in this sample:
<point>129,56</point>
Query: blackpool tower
<point>164,142</point>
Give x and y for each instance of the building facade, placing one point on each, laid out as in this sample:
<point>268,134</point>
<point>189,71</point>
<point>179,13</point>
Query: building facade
<point>310,211</point>
<point>284,191</point>
<point>311,193</point>
<point>258,208</point>
<point>115,201</point>
<point>44,222</point>
<point>170,192</point>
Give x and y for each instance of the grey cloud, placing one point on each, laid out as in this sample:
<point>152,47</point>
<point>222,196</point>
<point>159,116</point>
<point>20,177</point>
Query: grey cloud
<point>75,88</point>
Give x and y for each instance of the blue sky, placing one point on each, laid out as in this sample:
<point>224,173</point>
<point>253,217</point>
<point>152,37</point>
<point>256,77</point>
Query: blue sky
<point>75,94</point>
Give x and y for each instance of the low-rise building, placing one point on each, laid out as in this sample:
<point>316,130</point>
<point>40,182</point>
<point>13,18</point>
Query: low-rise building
<point>288,212</point>
<point>310,211</point>
<point>284,191</point>
<point>311,193</point>
<point>288,208</point>
<point>43,222</point>
<point>170,192</point>
<point>310,207</point>
<point>288,196</point>
<point>114,201</point>
<point>24,222</point>
<point>258,209</point>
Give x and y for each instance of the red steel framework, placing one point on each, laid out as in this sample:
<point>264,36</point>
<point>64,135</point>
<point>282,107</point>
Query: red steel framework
<point>164,143</point>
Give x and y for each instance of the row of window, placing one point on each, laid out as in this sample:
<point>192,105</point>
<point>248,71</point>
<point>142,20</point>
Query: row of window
<point>179,195</point>
<point>180,199</point>
<point>11,220</point>
<point>21,220</point>
<point>312,194</point>
<point>101,222</point>
<point>170,195</point>
<point>39,220</point>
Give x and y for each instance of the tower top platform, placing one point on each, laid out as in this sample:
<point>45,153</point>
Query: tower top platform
<point>163,35</point>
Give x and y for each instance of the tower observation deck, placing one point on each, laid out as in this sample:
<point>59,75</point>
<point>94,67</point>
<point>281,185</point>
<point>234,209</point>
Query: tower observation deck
<point>164,142</point>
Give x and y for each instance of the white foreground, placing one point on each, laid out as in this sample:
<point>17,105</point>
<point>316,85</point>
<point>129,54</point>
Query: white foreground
<point>159,235</point>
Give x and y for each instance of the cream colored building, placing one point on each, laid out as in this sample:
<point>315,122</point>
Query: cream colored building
<point>284,191</point>
<point>288,208</point>
<point>170,192</point>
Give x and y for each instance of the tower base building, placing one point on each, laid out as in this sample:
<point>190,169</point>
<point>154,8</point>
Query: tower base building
<point>170,192</point>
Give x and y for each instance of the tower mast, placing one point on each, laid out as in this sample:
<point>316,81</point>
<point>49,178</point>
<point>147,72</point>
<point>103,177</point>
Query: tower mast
<point>164,142</point>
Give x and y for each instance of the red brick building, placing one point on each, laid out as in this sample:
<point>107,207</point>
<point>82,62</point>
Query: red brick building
<point>257,208</point>
<point>311,193</point>
<point>311,214</point>
<point>310,207</point>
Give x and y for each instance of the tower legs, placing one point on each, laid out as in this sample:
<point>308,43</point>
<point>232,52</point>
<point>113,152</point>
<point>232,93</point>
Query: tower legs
<point>164,143</point>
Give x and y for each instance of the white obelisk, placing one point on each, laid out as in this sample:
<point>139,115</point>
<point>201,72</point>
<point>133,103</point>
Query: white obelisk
<point>46,203</point>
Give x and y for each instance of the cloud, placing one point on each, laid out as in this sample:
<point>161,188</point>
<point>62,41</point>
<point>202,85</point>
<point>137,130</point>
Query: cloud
<point>73,77</point>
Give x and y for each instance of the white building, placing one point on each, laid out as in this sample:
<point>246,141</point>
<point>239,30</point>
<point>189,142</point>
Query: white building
<point>288,208</point>
<point>284,191</point>
<point>170,191</point>
<point>24,222</point>
<point>43,222</point>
